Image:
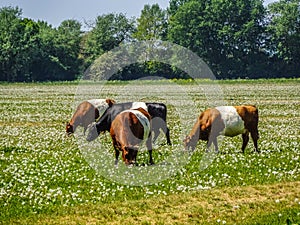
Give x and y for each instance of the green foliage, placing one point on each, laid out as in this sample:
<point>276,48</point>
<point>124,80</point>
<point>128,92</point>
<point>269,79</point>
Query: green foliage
<point>34,51</point>
<point>12,43</point>
<point>237,39</point>
<point>152,24</point>
<point>108,31</point>
<point>174,5</point>
<point>226,34</point>
<point>58,55</point>
<point>284,28</point>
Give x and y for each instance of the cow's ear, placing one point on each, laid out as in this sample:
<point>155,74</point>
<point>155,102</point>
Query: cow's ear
<point>110,102</point>
<point>208,123</point>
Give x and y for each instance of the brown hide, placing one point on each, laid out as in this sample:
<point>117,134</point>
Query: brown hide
<point>250,116</point>
<point>202,128</point>
<point>84,115</point>
<point>110,102</point>
<point>209,125</point>
<point>127,134</point>
<point>208,119</point>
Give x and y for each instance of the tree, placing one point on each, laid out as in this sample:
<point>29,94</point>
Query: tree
<point>12,46</point>
<point>152,24</point>
<point>284,28</point>
<point>34,51</point>
<point>227,35</point>
<point>57,57</point>
<point>107,33</point>
<point>68,40</point>
<point>30,48</point>
<point>174,6</point>
<point>43,66</point>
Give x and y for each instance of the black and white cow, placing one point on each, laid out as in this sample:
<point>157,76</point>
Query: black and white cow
<point>157,111</point>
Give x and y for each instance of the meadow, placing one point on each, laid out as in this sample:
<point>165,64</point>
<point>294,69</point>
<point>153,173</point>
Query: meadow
<point>49,178</point>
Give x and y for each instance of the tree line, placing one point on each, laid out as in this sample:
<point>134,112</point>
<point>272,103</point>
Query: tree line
<point>237,39</point>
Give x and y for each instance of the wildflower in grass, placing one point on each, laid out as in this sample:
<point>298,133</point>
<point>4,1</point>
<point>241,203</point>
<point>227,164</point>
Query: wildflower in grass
<point>39,166</point>
<point>235,207</point>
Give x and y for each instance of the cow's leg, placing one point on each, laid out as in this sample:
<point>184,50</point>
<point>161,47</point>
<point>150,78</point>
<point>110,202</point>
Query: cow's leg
<point>166,132</point>
<point>156,133</point>
<point>149,147</point>
<point>135,151</point>
<point>209,142</point>
<point>245,137</point>
<point>117,153</point>
<point>255,136</point>
<point>215,142</point>
<point>157,124</point>
<point>168,136</point>
<point>155,128</point>
<point>213,139</point>
<point>150,157</point>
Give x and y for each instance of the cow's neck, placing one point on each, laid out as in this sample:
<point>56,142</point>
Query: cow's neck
<point>103,124</point>
<point>74,123</point>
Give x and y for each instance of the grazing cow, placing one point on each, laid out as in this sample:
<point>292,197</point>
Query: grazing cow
<point>158,112</point>
<point>227,121</point>
<point>127,131</point>
<point>88,112</point>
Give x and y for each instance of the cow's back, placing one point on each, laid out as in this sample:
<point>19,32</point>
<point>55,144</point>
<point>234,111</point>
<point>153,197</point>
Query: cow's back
<point>157,110</point>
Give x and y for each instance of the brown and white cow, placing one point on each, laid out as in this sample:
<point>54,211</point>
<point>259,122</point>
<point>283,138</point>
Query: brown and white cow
<point>158,112</point>
<point>128,130</point>
<point>227,121</point>
<point>87,112</point>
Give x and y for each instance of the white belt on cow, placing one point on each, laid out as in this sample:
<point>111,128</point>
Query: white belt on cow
<point>143,120</point>
<point>136,105</point>
<point>233,122</point>
<point>100,104</point>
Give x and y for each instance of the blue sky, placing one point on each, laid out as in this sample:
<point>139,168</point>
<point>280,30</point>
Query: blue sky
<point>56,11</point>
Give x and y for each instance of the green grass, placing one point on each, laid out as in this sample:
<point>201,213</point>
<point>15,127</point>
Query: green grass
<point>45,178</point>
<point>259,204</point>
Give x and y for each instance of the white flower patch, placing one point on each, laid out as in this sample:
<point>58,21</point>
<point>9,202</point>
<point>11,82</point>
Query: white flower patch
<point>41,167</point>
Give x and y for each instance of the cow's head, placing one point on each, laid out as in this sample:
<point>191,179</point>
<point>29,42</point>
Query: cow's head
<point>189,143</point>
<point>204,131</point>
<point>129,155</point>
<point>92,132</point>
<point>69,129</point>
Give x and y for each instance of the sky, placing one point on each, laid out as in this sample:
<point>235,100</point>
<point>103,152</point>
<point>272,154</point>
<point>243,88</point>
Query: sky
<point>56,11</point>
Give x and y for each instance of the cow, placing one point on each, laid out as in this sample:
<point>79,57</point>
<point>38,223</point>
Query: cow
<point>158,112</point>
<point>227,121</point>
<point>87,112</point>
<point>128,130</point>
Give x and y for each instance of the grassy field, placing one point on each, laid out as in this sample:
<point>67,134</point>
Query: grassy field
<point>48,178</point>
